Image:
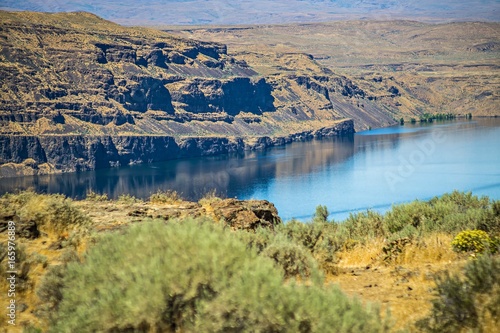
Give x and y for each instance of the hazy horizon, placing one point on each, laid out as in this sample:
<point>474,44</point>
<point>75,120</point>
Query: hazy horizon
<point>226,12</point>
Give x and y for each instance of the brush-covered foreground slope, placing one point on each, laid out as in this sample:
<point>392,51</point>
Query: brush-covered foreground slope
<point>79,93</point>
<point>409,66</point>
<point>171,283</point>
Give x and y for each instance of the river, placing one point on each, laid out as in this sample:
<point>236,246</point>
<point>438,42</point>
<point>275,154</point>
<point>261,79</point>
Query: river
<point>369,170</point>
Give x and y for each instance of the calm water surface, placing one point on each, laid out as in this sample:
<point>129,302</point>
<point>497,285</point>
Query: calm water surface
<point>370,170</point>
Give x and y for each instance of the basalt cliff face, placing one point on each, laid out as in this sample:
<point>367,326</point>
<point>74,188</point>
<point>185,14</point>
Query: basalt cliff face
<point>30,155</point>
<point>81,93</point>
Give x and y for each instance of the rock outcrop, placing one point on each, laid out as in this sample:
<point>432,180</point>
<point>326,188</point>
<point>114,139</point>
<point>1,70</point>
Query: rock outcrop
<point>246,215</point>
<point>236,214</point>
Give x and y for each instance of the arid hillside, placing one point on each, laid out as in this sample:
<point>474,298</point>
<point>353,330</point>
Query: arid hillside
<point>435,68</point>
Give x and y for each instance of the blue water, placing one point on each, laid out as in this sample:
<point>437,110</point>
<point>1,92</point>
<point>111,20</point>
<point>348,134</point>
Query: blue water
<point>370,170</point>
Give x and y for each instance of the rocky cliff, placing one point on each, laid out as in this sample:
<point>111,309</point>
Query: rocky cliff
<point>82,93</point>
<point>30,155</point>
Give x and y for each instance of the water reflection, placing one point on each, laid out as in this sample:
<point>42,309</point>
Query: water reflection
<point>346,174</point>
<point>228,175</point>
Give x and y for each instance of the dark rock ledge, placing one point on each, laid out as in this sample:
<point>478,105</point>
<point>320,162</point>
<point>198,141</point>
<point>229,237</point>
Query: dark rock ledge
<point>28,155</point>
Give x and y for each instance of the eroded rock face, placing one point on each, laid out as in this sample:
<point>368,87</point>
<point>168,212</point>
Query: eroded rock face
<point>231,96</point>
<point>145,93</point>
<point>157,58</point>
<point>115,53</point>
<point>17,149</point>
<point>51,66</point>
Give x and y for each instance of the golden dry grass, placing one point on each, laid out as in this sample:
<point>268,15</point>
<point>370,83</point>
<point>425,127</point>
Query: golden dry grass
<point>403,286</point>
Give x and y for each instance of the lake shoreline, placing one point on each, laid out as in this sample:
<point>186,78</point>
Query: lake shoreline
<point>55,154</point>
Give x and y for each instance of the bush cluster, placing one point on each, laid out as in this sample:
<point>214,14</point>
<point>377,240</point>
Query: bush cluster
<point>450,213</point>
<point>468,303</point>
<point>292,258</point>
<point>92,196</point>
<point>195,276</point>
<point>403,224</point>
<point>128,199</point>
<point>51,213</point>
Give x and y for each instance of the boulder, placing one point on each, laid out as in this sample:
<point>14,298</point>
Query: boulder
<point>246,215</point>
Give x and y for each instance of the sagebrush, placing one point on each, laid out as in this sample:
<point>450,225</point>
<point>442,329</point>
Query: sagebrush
<point>196,277</point>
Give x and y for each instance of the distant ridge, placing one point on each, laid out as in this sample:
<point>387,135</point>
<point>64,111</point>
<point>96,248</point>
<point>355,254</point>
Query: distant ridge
<point>201,12</point>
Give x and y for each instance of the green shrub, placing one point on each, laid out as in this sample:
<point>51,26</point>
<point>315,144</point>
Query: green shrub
<point>292,258</point>
<point>306,234</point>
<point>449,213</point>
<point>495,207</point>
<point>156,276</point>
<point>476,241</point>
<point>321,214</point>
<point>290,308</point>
<point>322,239</point>
<point>50,212</point>
<point>256,240</point>
<point>491,222</point>
<point>328,244</point>
<point>460,221</point>
<point>49,289</point>
<point>195,276</point>
<point>362,226</point>
<point>462,200</point>
<point>469,303</point>
<point>415,214</point>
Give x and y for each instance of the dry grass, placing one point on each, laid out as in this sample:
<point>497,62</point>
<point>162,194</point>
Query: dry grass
<point>361,254</point>
<point>403,286</point>
<point>208,198</point>
<point>433,249</point>
<point>165,197</point>
<point>27,300</point>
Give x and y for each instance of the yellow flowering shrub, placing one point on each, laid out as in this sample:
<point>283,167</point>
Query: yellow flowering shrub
<point>477,241</point>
